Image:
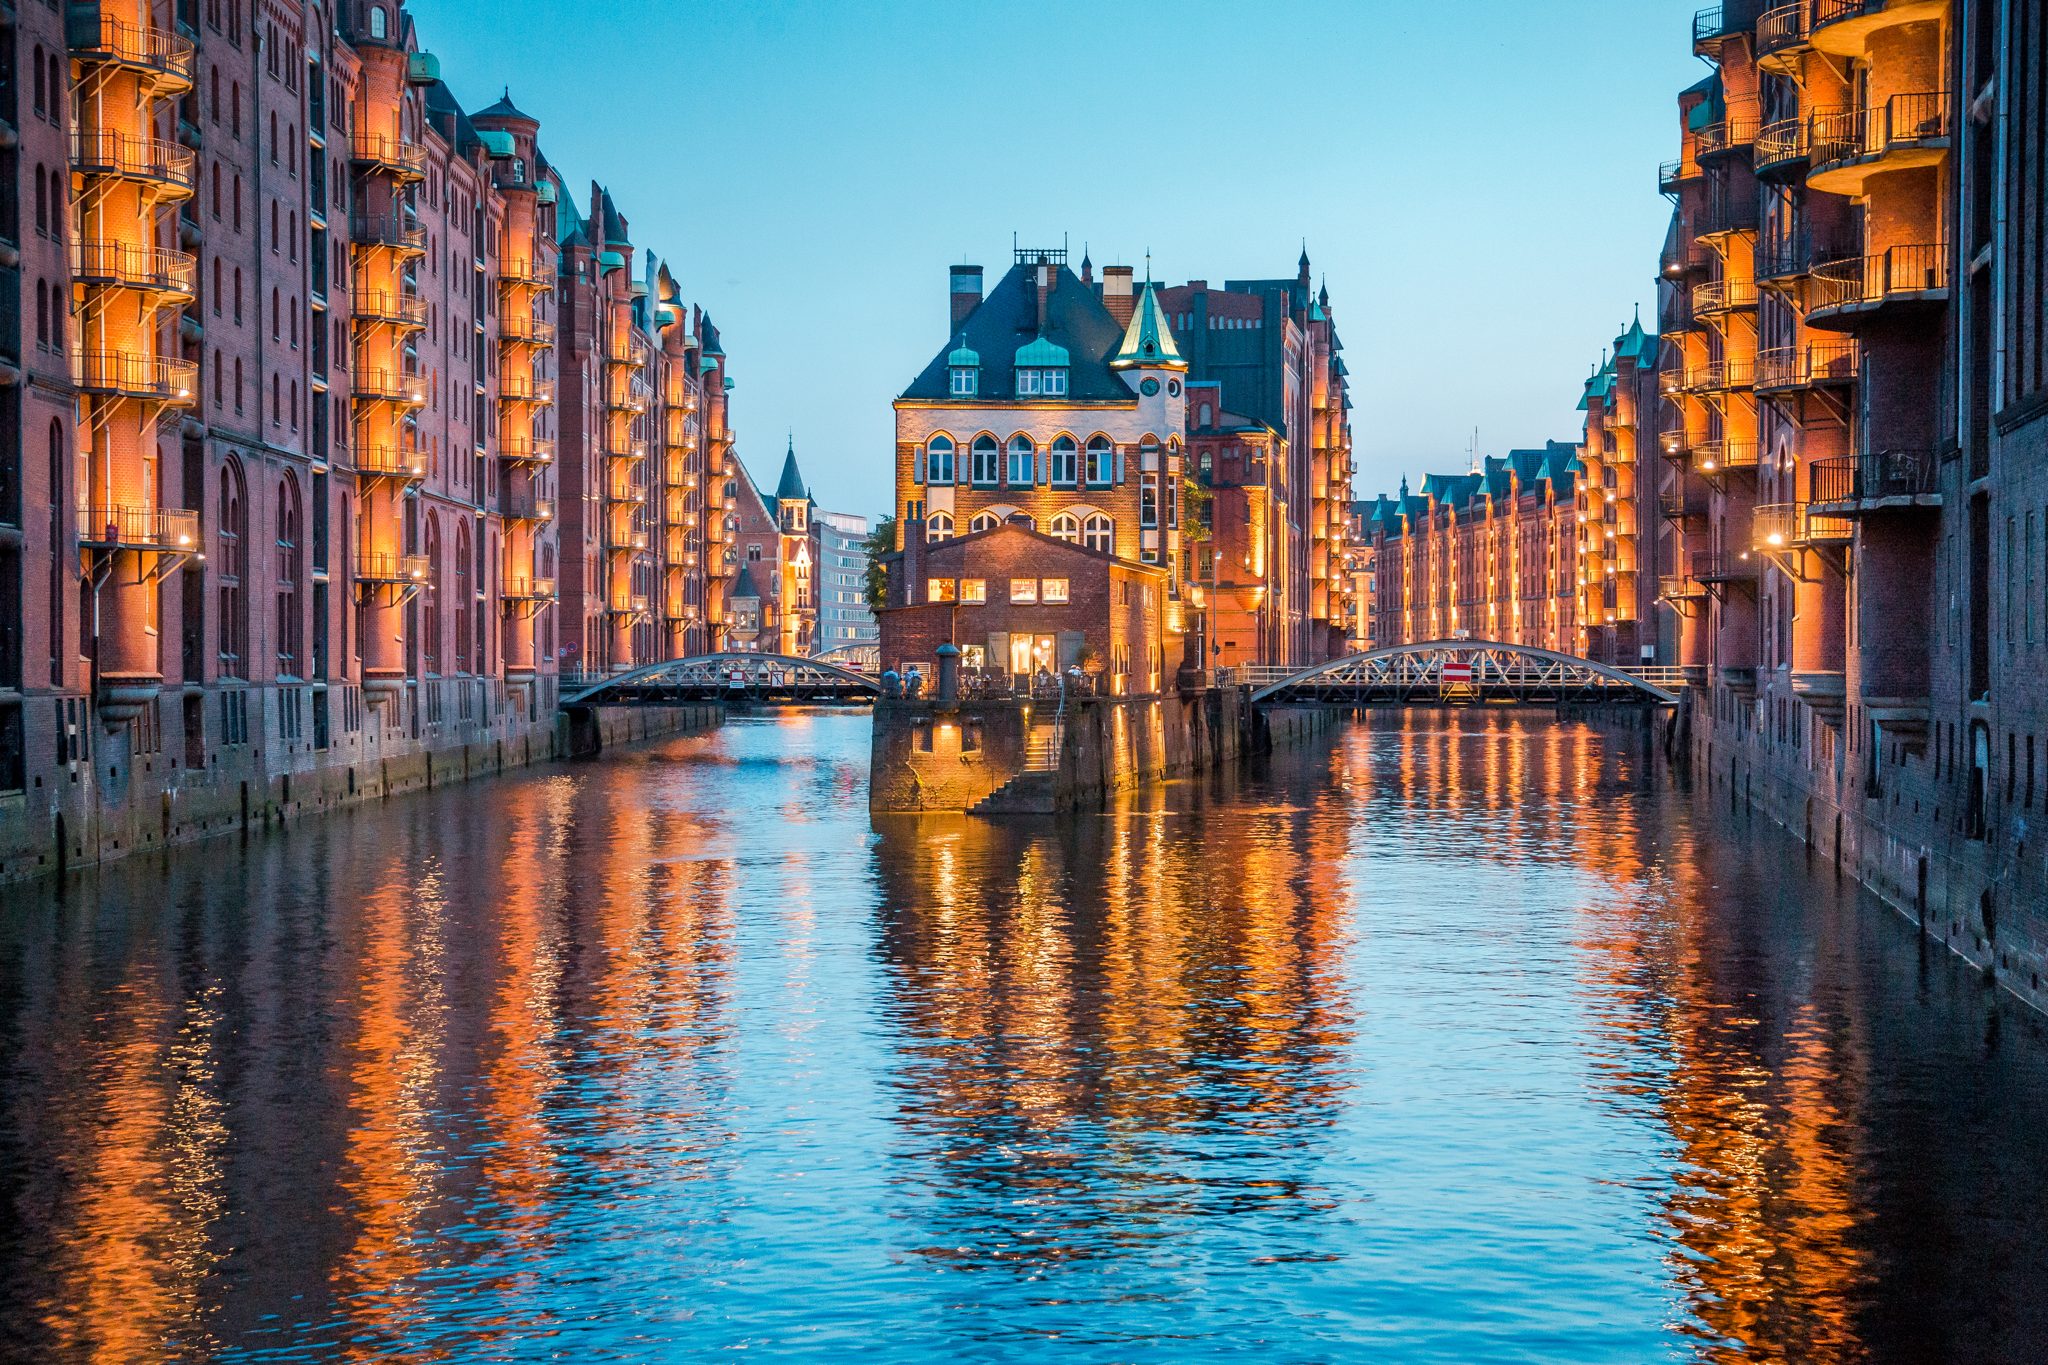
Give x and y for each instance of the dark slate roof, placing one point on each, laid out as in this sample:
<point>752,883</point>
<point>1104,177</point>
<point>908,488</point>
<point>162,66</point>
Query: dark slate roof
<point>744,585</point>
<point>790,488</point>
<point>505,109</point>
<point>1007,320</point>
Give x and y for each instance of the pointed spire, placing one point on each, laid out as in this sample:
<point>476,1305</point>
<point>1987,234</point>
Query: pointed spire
<point>790,487</point>
<point>1148,341</point>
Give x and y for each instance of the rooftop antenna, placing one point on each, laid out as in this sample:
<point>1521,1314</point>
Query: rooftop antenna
<point>1474,450</point>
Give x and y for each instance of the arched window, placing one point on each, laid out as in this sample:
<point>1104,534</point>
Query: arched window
<point>1101,461</point>
<point>60,553</point>
<point>984,521</point>
<point>986,460</point>
<point>1066,461</point>
<point>939,459</point>
<point>232,630</point>
<point>1023,458</point>
<point>42,313</point>
<point>463,598</point>
<point>430,601</point>
<point>376,21</point>
<point>289,536</point>
<point>1066,527</point>
<point>939,526</point>
<point>1098,533</point>
<point>42,202</point>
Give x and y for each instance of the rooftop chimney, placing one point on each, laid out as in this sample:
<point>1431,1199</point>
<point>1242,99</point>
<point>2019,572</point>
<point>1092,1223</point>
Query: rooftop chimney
<point>1116,292</point>
<point>966,291</point>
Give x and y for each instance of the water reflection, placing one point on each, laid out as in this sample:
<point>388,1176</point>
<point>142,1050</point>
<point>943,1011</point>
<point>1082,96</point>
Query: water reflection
<point>1457,1038</point>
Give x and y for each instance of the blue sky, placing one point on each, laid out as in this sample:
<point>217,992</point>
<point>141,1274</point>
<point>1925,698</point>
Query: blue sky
<point>1474,178</point>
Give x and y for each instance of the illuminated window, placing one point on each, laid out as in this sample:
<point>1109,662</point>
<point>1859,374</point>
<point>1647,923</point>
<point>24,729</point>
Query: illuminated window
<point>1066,527</point>
<point>974,590</point>
<point>940,590</point>
<point>1023,590</point>
<point>984,521</point>
<point>1052,590</point>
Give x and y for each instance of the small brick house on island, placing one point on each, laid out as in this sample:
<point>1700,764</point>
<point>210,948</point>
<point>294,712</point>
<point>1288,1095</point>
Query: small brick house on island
<point>1016,601</point>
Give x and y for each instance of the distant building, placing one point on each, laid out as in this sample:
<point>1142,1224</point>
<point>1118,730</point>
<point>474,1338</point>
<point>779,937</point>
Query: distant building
<point>844,620</point>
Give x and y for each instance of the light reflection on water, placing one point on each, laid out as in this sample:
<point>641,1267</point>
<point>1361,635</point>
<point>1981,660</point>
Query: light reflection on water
<point>1456,1039</point>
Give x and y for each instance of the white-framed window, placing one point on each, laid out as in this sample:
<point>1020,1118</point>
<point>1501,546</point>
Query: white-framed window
<point>938,460</point>
<point>1101,461</point>
<point>1023,458</point>
<point>939,526</point>
<point>1098,533</point>
<point>1052,590</point>
<point>1023,590</point>
<point>965,381</point>
<point>984,521</point>
<point>1041,383</point>
<point>1027,383</point>
<point>974,590</point>
<point>1066,526</point>
<point>986,460</point>
<point>1066,461</point>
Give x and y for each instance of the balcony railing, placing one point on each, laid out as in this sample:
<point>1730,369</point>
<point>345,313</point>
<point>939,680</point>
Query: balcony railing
<point>1680,507</point>
<point>526,330</point>
<point>1725,212</point>
<point>524,389</point>
<point>380,566</point>
<point>1721,376</point>
<point>1783,29</point>
<point>1811,366</point>
<point>398,230</point>
<point>1712,24</point>
<point>162,55</point>
<point>530,589</point>
<point>1845,136</point>
<point>120,374</point>
<point>527,450</point>
<point>390,386</point>
<point>1900,272</point>
<point>138,528</point>
<point>155,270</point>
<point>525,275</point>
<point>1724,296</point>
<point>676,472</point>
<point>1719,566</point>
<point>388,460</point>
<point>527,507</point>
<point>1875,476</point>
<point>1719,456</point>
<point>618,399</point>
<point>629,451</point>
<point>154,161</point>
<point>408,160</point>
<point>633,605</point>
<point>1674,175</point>
<point>397,308</point>
<point>1731,133</point>
<point>626,495</point>
<point>1680,587</point>
<point>1781,144</point>
<point>620,350</point>
<point>1789,525</point>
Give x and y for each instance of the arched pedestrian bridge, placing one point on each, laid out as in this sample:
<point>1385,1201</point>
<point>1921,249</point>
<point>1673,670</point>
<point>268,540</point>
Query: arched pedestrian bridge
<point>758,678</point>
<point>1459,672</point>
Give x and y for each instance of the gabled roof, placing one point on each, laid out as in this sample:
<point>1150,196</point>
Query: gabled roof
<point>1007,321</point>
<point>1148,340</point>
<point>744,585</point>
<point>505,109</point>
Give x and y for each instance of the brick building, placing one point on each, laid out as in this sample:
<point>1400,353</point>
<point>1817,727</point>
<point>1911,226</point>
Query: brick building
<point>1617,511</point>
<point>1017,601</point>
<point>301,441</point>
<point>1859,441</point>
<point>1269,440</point>
<point>1490,555</point>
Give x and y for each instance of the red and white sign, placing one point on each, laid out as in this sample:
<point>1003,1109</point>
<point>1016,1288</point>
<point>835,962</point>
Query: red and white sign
<point>1457,674</point>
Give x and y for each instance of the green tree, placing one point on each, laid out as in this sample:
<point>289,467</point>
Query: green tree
<point>881,541</point>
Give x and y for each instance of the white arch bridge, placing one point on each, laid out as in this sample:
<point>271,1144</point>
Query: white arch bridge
<point>733,676</point>
<point>1459,672</point>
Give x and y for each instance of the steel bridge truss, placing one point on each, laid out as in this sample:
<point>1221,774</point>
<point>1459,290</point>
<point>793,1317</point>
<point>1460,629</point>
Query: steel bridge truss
<point>1461,672</point>
<point>773,679</point>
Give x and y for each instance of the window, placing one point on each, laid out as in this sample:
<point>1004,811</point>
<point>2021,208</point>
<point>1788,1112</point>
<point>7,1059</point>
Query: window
<point>289,618</point>
<point>1098,533</point>
<point>939,526</point>
<point>1052,590</point>
<point>1066,461</point>
<point>939,460</point>
<point>965,381</point>
<point>985,460</point>
<point>1101,461</point>
<point>940,590</point>
<point>984,521</point>
<point>233,535</point>
<point>1023,460</point>
<point>1066,527</point>
<point>1041,383</point>
<point>1023,590</point>
<point>974,590</point>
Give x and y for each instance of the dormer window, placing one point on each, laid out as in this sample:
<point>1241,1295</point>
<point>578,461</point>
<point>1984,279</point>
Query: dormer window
<point>963,371</point>
<point>1041,369</point>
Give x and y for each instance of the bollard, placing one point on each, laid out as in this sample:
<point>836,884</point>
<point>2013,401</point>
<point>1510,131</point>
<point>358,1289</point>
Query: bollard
<point>949,672</point>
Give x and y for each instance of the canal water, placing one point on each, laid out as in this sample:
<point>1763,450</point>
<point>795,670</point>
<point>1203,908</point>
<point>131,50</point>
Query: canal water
<point>1455,1038</point>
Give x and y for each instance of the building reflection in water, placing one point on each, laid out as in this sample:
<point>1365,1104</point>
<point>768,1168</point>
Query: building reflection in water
<point>1458,1022</point>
